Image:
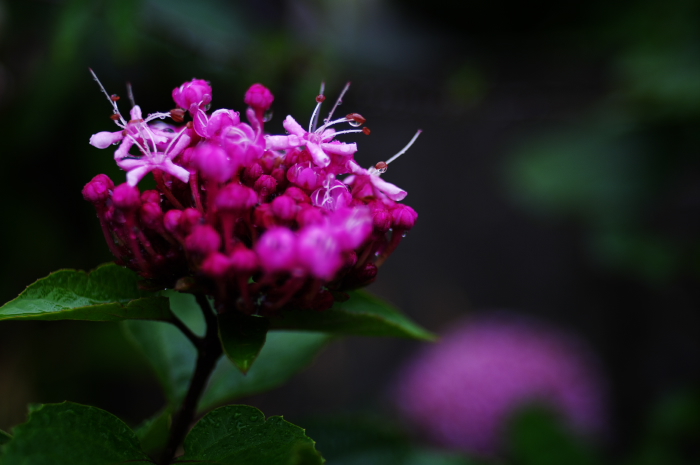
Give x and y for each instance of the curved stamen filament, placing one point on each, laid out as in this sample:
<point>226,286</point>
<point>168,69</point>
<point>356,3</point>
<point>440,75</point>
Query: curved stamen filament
<point>332,123</point>
<point>403,150</point>
<point>314,115</point>
<point>347,131</point>
<point>339,100</point>
<point>121,122</point>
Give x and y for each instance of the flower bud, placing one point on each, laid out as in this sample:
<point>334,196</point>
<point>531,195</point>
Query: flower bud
<point>277,250</point>
<point>195,93</point>
<point>244,261</point>
<point>213,162</point>
<point>171,220</point>
<point>284,208</point>
<point>319,252</point>
<point>97,190</point>
<point>236,198</point>
<point>150,196</point>
<point>259,97</point>
<point>216,265</point>
<point>304,176</point>
<point>403,217</point>
<point>203,240</point>
<point>151,215</point>
<point>252,173</point>
<point>190,218</point>
<point>263,217</point>
<point>126,197</point>
<point>297,194</point>
<point>381,219</point>
<point>309,215</point>
<point>265,185</point>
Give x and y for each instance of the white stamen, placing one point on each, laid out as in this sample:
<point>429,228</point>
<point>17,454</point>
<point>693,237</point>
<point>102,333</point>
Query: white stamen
<point>332,123</point>
<point>374,171</point>
<point>130,93</point>
<point>314,115</point>
<point>347,131</point>
<point>112,102</point>
<point>403,150</point>
<point>339,101</point>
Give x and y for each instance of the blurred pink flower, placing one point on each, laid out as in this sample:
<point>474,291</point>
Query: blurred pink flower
<point>461,392</point>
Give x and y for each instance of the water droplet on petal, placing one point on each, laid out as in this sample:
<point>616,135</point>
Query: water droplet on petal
<point>267,116</point>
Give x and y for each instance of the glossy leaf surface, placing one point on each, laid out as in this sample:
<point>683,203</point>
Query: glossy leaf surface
<point>242,337</point>
<point>173,357</point>
<point>362,315</point>
<point>285,354</point>
<point>4,437</point>
<point>240,435</point>
<point>153,433</point>
<point>109,293</point>
<point>72,434</point>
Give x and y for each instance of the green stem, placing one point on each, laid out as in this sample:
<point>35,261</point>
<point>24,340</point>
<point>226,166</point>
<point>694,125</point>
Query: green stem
<point>208,353</point>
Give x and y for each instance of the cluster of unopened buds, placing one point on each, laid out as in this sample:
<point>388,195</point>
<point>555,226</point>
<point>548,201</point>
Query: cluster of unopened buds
<point>261,222</point>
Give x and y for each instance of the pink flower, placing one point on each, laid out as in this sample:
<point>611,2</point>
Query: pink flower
<point>193,95</point>
<point>317,142</point>
<point>260,230</point>
<point>462,391</point>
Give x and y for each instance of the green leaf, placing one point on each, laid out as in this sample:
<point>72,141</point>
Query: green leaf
<point>73,434</point>
<point>240,435</point>
<point>367,439</point>
<point>173,357</point>
<point>538,438</point>
<point>153,433</point>
<point>362,315</point>
<point>285,353</point>
<point>4,437</point>
<point>109,293</point>
<point>242,336</point>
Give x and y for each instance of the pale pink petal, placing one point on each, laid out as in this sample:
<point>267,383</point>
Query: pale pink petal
<point>200,122</point>
<point>180,145</point>
<point>123,150</point>
<point>393,192</point>
<point>134,176</point>
<point>282,142</point>
<point>319,156</point>
<point>136,113</point>
<point>178,171</point>
<point>104,139</point>
<point>293,127</point>
<point>345,150</point>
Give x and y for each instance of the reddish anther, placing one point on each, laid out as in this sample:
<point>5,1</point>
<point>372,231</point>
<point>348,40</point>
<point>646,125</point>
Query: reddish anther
<point>320,98</point>
<point>381,166</point>
<point>114,97</point>
<point>114,117</point>
<point>356,117</point>
<point>178,115</point>
<point>366,130</point>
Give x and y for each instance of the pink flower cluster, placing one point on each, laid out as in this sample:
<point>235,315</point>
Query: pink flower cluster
<point>261,222</point>
<point>462,392</point>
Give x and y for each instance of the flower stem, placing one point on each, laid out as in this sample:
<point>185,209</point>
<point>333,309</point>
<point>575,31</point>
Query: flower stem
<point>208,353</point>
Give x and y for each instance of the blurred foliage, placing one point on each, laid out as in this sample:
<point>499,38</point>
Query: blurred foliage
<point>629,168</point>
